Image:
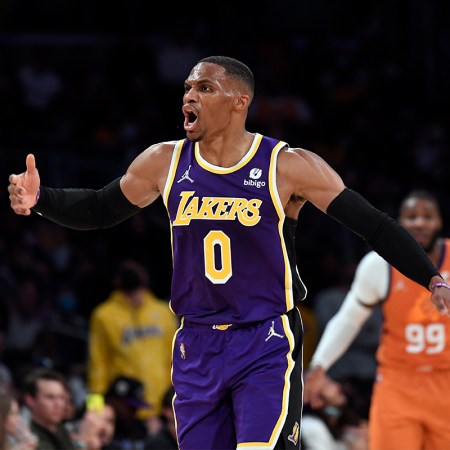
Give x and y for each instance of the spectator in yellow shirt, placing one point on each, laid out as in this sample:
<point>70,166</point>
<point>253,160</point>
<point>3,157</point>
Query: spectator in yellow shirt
<point>130,334</point>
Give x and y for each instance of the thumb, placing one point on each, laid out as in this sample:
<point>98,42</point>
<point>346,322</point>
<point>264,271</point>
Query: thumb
<point>31,164</point>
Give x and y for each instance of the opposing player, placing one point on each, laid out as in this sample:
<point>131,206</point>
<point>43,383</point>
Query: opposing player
<point>233,198</point>
<point>408,403</point>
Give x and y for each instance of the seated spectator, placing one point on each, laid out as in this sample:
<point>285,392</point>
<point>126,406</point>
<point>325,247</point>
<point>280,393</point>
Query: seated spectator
<point>166,437</point>
<point>108,425</point>
<point>45,394</point>
<point>14,431</point>
<point>336,426</point>
<point>126,396</point>
<point>96,416</point>
<point>95,429</point>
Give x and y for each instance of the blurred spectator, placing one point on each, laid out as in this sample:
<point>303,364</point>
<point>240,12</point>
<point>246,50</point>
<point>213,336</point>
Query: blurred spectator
<point>39,81</point>
<point>108,426</point>
<point>131,335</point>
<point>15,433</point>
<point>46,396</point>
<point>39,86</point>
<point>336,426</point>
<point>166,437</point>
<point>93,425</point>
<point>28,315</point>
<point>95,429</point>
<point>6,378</point>
<point>64,338</point>
<point>126,397</point>
<point>430,150</point>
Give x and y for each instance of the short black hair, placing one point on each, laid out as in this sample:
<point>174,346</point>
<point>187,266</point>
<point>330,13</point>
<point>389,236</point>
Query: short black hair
<point>422,194</point>
<point>234,68</point>
<point>30,385</point>
<point>131,275</point>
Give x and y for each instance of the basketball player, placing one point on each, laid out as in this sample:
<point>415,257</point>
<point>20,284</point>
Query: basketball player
<point>233,197</point>
<point>408,405</point>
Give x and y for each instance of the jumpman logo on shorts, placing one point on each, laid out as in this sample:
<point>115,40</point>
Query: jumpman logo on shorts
<point>272,333</point>
<point>186,176</point>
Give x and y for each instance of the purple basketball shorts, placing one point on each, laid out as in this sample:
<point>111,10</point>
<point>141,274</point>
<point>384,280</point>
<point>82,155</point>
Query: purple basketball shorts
<point>239,386</point>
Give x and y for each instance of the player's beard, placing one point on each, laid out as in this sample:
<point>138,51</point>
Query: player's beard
<point>196,138</point>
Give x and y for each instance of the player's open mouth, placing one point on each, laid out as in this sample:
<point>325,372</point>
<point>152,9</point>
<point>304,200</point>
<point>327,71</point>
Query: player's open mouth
<point>189,120</point>
<point>190,117</point>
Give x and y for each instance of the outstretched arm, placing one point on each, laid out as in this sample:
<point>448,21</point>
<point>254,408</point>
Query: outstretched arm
<point>392,242</point>
<point>80,209</point>
<point>86,209</point>
<point>304,176</point>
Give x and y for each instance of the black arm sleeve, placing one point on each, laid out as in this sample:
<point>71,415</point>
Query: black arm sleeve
<point>390,240</point>
<point>85,209</point>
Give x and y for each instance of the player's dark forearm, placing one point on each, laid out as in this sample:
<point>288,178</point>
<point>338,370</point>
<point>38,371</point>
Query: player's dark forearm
<point>85,209</point>
<point>391,241</point>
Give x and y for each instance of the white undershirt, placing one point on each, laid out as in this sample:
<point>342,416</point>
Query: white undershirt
<point>369,287</point>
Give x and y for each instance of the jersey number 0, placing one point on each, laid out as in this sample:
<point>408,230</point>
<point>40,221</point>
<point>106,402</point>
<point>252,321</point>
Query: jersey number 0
<point>217,250</point>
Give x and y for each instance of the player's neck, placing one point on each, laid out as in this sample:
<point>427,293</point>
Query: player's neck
<point>226,151</point>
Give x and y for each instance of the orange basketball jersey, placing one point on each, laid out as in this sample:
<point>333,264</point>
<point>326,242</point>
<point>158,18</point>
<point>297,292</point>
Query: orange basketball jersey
<point>414,334</point>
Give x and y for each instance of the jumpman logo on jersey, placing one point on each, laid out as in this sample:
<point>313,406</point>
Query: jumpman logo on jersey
<point>272,332</point>
<point>186,176</point>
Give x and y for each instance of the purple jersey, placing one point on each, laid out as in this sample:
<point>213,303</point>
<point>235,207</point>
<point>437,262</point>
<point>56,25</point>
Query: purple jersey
<point>231,263</point>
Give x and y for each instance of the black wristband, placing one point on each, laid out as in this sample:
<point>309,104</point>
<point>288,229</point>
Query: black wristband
<point>85,209</point>
<point>390,240</point>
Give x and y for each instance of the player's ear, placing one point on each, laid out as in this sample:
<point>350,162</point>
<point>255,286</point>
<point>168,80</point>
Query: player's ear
<point>242,101</point>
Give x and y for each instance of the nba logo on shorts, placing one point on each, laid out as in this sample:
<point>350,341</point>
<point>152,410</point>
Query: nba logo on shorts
<point>182,351</point>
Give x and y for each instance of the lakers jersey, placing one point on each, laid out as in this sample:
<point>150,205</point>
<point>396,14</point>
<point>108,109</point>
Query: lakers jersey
<point>414,333</point>
<point>230,258</point>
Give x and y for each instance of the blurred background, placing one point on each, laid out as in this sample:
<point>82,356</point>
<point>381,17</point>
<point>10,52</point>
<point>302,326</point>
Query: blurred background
<point>86,85</point>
